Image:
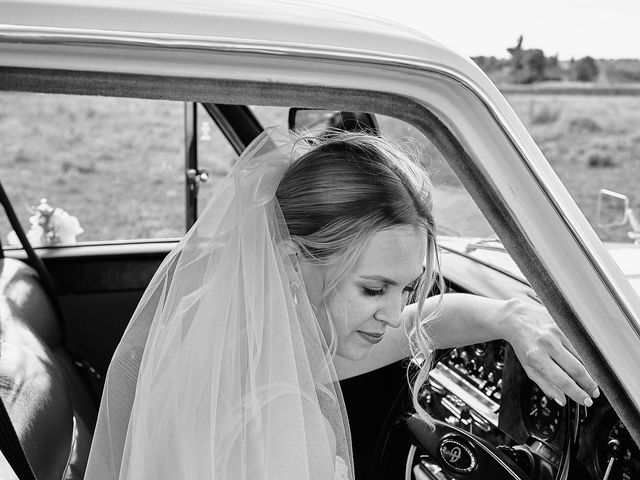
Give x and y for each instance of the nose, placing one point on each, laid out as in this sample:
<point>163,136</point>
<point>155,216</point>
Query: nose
<point>390,311</point>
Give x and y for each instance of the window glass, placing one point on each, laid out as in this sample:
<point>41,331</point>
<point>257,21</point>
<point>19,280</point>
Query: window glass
<point>455,212</point>
<point>271,116</point>
<point>115,164</point>
<point>215,155</point>
<point>593,143</point>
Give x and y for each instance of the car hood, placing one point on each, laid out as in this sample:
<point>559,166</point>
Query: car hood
<point>627,256</point>
<point>491,253</point>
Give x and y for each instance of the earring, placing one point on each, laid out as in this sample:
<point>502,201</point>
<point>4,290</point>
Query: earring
<point>294,286</point>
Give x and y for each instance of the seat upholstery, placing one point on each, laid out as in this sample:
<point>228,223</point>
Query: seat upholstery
<point>47,400</point>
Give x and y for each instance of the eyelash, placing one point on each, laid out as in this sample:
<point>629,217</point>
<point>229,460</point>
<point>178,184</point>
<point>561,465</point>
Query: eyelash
<point>372,292</point>
<point>377,292</point>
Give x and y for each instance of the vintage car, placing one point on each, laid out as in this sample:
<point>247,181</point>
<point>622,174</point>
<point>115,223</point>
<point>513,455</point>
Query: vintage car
<point>124,115</point>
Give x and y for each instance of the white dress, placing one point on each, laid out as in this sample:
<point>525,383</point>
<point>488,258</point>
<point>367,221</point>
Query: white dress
<point>342,471</point>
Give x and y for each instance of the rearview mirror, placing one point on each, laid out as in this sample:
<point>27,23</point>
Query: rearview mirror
<point>322,122</point>
<point>612,209</point>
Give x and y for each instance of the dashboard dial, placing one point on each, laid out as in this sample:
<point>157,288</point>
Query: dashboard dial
<point>499,359</point>
<point>480,349</point>
<point>616,453</point>
<point>542,415</point>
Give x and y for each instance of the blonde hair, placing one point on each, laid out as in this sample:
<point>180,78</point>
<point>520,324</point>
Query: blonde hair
<point>345,189</point>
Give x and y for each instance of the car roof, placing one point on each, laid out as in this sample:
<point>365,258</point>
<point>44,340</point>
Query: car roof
<point>284,22</point>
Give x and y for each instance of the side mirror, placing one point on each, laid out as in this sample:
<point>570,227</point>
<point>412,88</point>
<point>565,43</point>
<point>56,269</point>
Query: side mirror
<point>613,209</point>
<point>323,122</point>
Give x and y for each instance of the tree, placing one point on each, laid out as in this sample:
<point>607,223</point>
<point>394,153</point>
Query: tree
<point>535,62</point>
<point>527,65</point>
<point>586,69</point>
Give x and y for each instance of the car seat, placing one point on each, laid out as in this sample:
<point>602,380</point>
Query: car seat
<point>48,402</point>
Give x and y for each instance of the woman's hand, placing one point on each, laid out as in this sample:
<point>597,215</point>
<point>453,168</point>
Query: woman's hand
<point>545,353</point>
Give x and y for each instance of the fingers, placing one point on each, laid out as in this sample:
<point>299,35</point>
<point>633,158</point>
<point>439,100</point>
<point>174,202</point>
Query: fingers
<point>549,358</point>
<point>570,379</point>
<point>555,360</point>
<point>572,366</point>
<point>567,344</point>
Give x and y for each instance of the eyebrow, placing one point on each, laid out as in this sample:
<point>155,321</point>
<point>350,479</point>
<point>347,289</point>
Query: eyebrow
<point>388,281</point>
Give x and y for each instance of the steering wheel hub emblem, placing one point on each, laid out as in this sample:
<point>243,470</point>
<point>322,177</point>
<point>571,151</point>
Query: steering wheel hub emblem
<point>457,455</point>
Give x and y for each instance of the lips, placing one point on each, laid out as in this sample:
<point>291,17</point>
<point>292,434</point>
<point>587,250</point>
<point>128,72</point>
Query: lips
<point>371,337</point>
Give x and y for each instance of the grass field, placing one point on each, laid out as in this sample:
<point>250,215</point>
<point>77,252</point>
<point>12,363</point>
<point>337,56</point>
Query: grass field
<point>592,142</point>
<point>118,164</point>
<point>96,158</point>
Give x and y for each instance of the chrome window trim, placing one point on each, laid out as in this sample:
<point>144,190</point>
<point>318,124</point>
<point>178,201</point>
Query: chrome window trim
<point>64,36</point>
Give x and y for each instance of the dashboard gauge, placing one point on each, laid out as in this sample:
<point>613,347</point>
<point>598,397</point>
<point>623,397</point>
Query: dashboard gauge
<point>499,358</point>
<point>542,414</point>
<point>480,349</point>
<point>616,452</point>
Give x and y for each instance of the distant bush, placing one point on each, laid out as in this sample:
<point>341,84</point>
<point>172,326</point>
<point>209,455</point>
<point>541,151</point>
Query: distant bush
<point>623,74</point>
<point>543,114</point>
<point>585,70</point>
<point>584,124</point>
<point>22,157</point>
<point>600,160</point>
<point>491,64</point>
<point>528,66</point>
<point>89,168</point>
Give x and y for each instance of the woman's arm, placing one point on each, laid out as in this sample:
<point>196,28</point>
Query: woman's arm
<point>545,353</point>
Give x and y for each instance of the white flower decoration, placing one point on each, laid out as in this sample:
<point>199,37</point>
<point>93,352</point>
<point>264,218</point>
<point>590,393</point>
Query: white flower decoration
<point>65,226</point>
<point>49,226</point>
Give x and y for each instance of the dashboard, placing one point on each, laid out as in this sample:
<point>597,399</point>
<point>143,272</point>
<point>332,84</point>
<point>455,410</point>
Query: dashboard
<point>483,389</point>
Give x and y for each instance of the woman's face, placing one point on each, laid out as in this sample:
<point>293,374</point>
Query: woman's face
<point>371,296</point>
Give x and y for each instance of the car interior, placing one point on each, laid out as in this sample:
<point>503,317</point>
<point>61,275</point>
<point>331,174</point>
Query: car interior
<point>57,334</point>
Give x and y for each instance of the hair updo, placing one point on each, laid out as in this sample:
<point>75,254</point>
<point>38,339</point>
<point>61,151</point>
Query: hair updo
<point>348,187</point>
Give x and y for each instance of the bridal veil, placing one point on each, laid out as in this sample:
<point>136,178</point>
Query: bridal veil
<point>223,372</point>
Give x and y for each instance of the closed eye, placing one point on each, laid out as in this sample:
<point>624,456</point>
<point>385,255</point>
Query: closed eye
<point>373,292</point>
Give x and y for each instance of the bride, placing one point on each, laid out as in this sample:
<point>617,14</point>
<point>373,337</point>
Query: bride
<point>296,275</point>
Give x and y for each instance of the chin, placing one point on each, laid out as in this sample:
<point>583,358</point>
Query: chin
<point>354,352</point>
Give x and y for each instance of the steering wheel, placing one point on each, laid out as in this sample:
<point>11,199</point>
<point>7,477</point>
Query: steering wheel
<point>457,452</point>
<point>449,452</point>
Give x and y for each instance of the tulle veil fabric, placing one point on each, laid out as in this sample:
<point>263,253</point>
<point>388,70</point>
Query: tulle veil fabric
<point>223,372</point>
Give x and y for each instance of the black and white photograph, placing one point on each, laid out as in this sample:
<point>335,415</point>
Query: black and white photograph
<point>295,240</point>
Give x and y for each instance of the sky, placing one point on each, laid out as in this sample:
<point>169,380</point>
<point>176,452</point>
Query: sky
<point>569,28</point>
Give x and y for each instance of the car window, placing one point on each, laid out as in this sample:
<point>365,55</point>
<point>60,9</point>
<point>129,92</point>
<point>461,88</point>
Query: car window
<point>216,156</point>
<point>455,211</point>
<point>271,116</point>
<point>116,164</point>
<point>592,142</point>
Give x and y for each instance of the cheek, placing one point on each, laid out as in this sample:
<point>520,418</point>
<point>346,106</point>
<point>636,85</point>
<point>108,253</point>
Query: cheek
<point>350,310</point>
